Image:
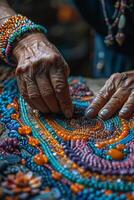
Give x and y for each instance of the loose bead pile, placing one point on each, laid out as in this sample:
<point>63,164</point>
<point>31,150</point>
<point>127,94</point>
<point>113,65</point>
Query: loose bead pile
<point>11,31</point>
<point>79,158</point>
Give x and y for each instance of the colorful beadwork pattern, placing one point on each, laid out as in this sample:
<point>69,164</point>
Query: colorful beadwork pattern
<point>48,157</point>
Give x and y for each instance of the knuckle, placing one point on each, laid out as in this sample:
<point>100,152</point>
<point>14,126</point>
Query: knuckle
<point>46,92</point>
<point>54,57</point>
<point>116,99</point>
<point>125,90</point>
<point>109,87</point>
<point>101,92</point>
<point>101,95</point>
<point>115,76</point>
<point>21,69</point>
<point>33,96</point>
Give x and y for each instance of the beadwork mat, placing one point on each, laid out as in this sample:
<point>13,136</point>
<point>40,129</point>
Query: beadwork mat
<point>47,157</point>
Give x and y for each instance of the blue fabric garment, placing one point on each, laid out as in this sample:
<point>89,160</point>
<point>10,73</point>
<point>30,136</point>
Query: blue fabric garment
<point>116,58</point>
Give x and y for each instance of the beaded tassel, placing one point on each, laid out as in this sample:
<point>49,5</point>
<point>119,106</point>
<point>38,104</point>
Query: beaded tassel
<point>119,21</point>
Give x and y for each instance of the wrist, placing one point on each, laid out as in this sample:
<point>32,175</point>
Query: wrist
<point>25,42</point>
<point>12,31</point>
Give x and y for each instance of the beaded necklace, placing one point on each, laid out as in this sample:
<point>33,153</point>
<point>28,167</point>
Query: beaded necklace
<point>119,21</point>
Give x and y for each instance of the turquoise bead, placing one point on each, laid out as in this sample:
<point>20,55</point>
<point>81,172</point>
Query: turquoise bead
<point>122,21</point>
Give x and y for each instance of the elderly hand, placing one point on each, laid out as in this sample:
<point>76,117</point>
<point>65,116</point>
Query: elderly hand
<point>116,95</point>
<point>42,75</point>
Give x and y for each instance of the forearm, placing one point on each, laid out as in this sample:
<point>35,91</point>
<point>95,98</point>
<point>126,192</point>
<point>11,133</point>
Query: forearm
<point>5,11</point>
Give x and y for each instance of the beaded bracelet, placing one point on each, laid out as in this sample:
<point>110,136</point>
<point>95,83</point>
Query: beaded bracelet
<point>12,30</point>
<point>11,25</point>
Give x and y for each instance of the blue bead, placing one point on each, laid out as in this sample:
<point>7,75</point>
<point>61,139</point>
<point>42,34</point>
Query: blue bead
<point>108,157</point>
<point>13,132</point>
<point>5,120</point>
<point>16,126</point>
<point>126,151</point>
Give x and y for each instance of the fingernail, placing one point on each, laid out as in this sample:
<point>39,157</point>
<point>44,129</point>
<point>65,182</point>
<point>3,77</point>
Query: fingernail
<point>89,112</point>
<point>124,110</point>
<point>103,112</point>
<point>68,113</point>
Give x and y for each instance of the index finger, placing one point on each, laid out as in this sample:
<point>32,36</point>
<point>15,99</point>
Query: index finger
<point>100,100</point>
<point>61,88</point>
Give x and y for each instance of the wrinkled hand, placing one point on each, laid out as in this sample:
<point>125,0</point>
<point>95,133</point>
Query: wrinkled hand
<point>42,75</point>
<point>116,95</point>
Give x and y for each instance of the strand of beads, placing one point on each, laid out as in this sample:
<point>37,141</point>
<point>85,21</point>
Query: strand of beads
<point>86,156</point>
<point>123,134</point>
<point>6,29</point>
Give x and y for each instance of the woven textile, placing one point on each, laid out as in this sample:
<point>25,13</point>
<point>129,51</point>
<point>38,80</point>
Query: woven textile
<point>45,157</point>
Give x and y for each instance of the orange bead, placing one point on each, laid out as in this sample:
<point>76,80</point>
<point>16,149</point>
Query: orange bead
<point>33,141</point>
<point>124,133</point>
<point>111,141</point>
<point>108,192</point>
<point>47,189</point>
<point>73,138</point>
<point>9,106</point>
<point>25,130</point>
<point>81,187</point>
<point>130,196</point>
<point>76,188</point>
<point>23,161</point>
<point>100,145</point>
<point>74,166</point>
<point>60,153</point>
<point>81,170</point>
<point>121,137</point>
<point>125,127</point>
<point>57,176</point>
<point>121,147</point>
<point>116,139</point>
<point>40,159</point>
<point>13,105</point>
<point>15,116</point>
<point>116,154</point>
